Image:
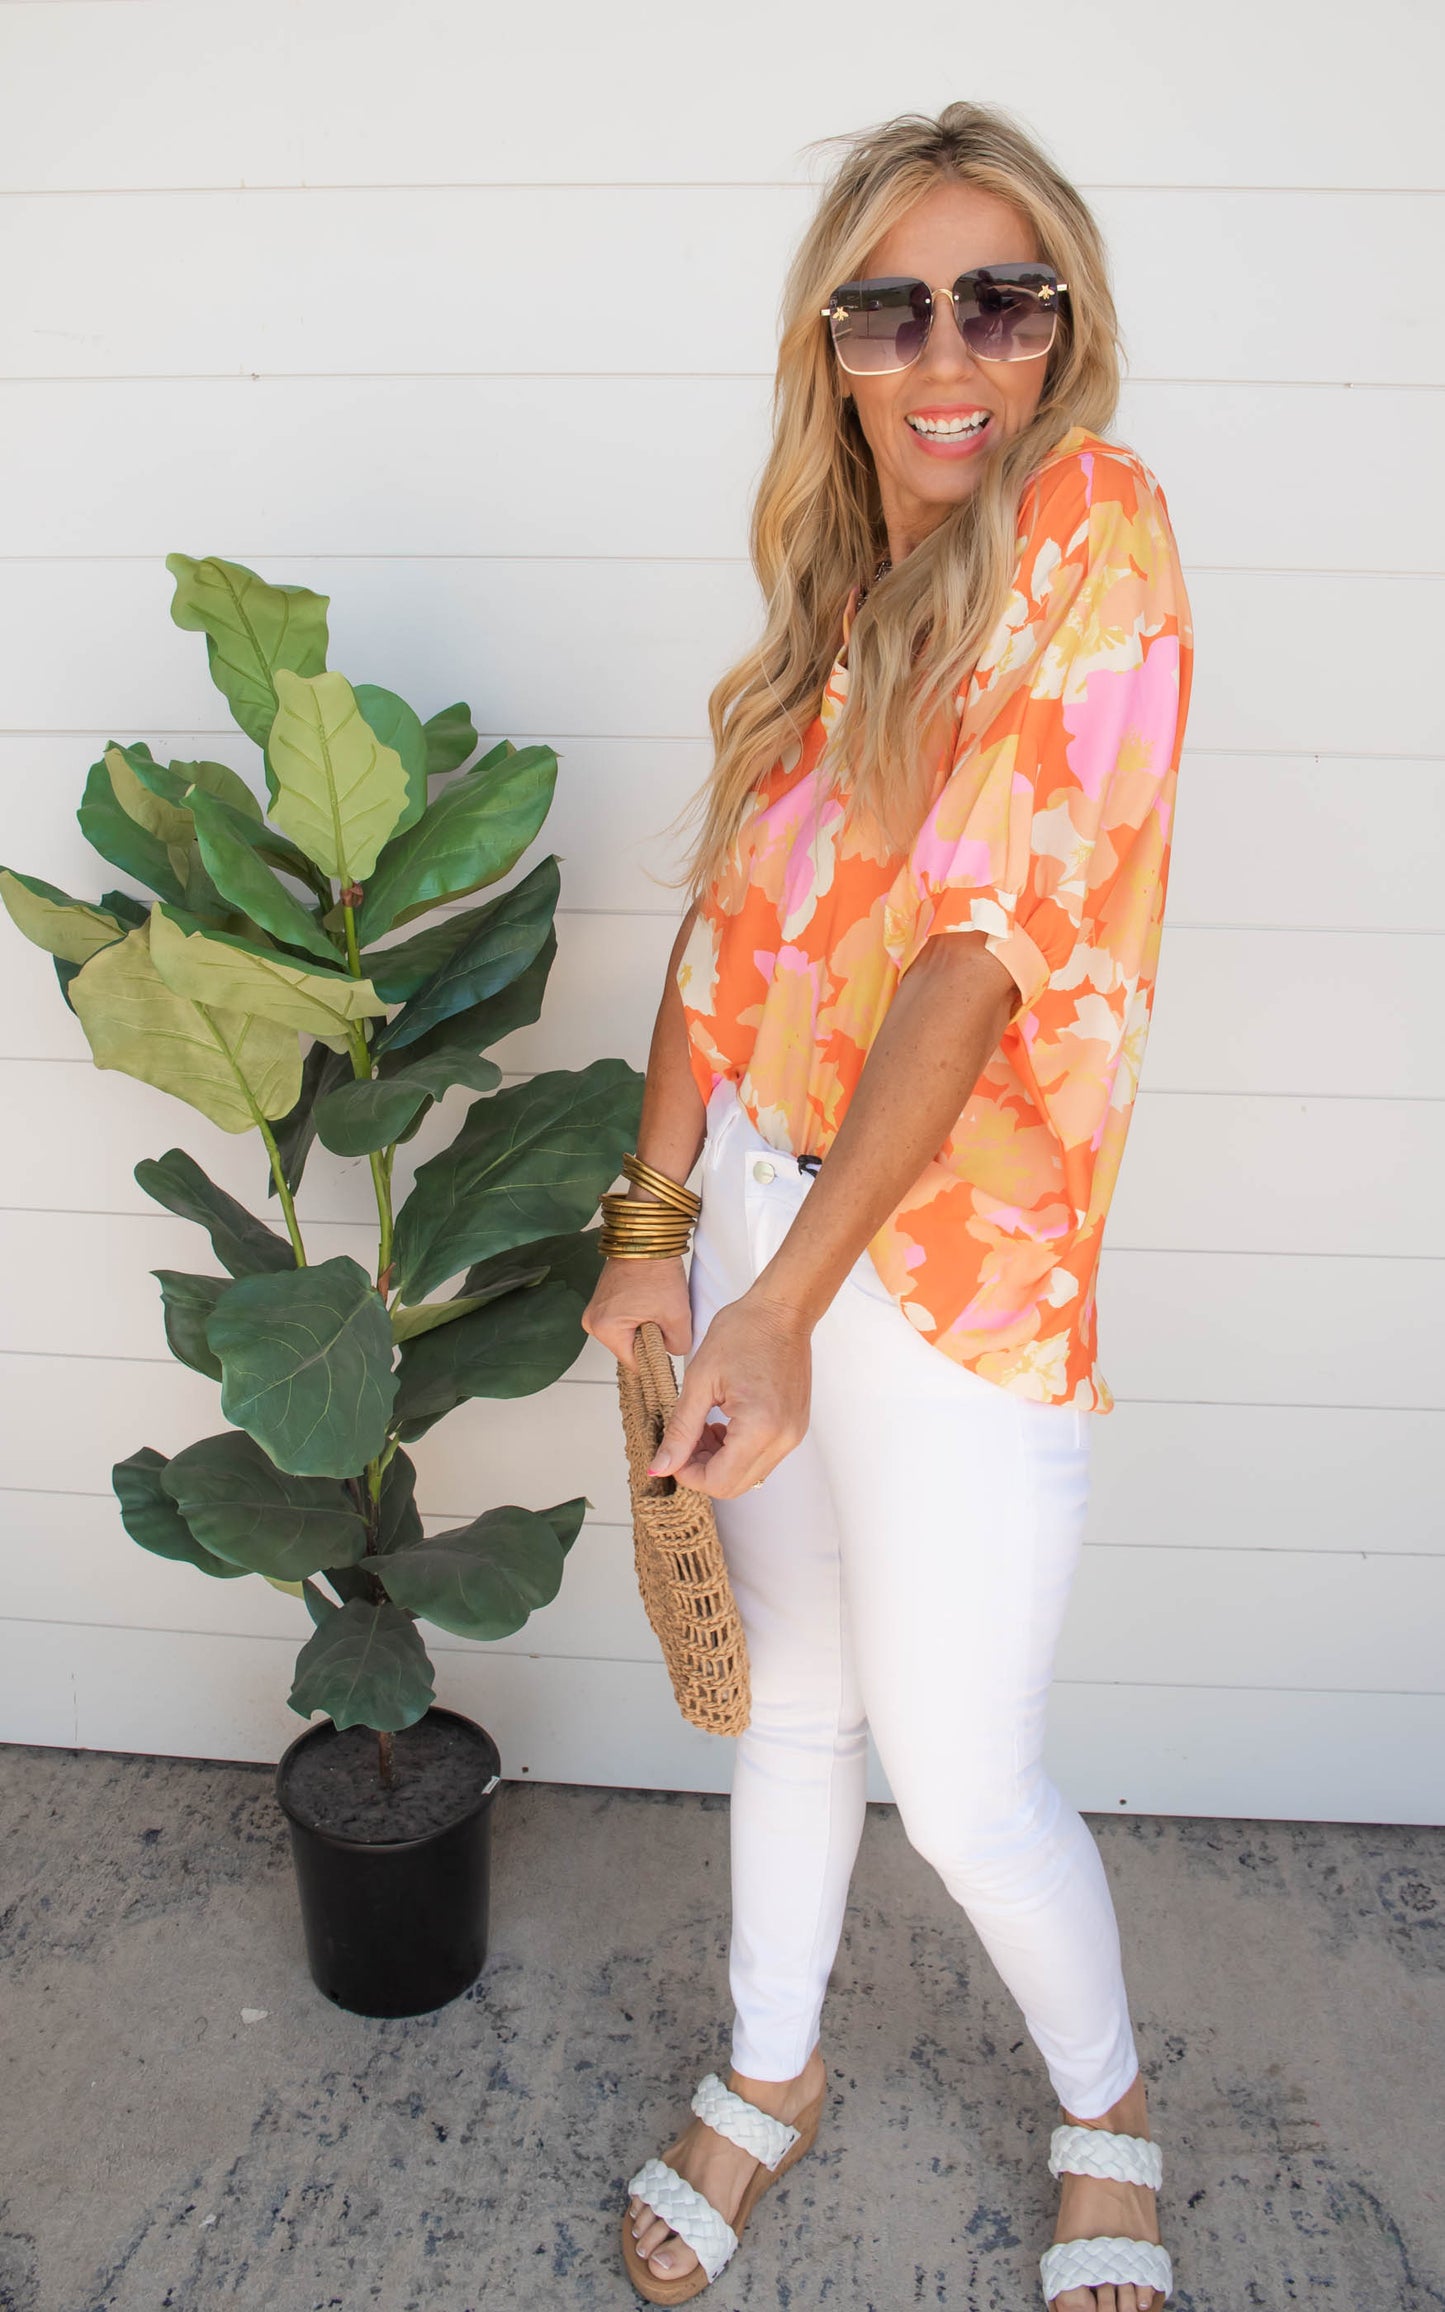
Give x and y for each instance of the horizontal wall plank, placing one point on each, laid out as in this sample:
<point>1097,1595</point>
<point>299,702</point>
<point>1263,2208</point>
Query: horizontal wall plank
<point>1350,843</point>
<point>363,280</point>
<point>1198,1476</point>
<point>1266,1477</point>
<point>1204,1172</point>
<point>653,467</point>
<point>273,92</point>
<point>633,649</point>
<point>1234,1173</point>
<point>1296,1757</point>
<point>1236,1616</point>
<point>1256,1328</point>
<point>1203,1328</point>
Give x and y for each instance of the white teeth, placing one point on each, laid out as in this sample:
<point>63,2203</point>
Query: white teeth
<point>949,426</point>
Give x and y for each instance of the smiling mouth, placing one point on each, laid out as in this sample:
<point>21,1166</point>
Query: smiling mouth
<point>949,429</point>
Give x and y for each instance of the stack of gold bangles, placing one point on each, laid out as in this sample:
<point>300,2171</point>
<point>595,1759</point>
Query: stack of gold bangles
<point>633,1229</point>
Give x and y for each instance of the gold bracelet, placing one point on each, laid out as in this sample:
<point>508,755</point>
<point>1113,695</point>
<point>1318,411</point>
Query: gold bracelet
<point>632,1230</point>
<point>668,1191</point>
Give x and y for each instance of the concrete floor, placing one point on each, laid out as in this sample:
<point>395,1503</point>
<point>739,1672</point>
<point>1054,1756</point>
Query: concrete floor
<point>186,2123</point>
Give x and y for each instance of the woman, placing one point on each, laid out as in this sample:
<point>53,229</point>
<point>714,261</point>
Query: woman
<point>895,1336</point>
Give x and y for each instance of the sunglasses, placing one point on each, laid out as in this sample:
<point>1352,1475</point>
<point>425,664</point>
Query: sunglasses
<point>1003,313</point>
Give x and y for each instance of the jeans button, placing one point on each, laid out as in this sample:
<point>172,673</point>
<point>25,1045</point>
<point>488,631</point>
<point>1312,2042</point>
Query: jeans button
<point>762,1170</point>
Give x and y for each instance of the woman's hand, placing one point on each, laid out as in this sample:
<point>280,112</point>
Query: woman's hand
<point>632,1292</point>
<point>755,1363</point>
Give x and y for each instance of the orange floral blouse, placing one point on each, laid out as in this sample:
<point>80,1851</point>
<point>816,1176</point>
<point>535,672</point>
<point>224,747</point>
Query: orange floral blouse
<point>1049,830</point>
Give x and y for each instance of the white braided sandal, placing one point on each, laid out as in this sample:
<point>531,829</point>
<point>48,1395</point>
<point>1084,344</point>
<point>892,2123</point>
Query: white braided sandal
<point>1109,2260</point>
<point>694,2219</point>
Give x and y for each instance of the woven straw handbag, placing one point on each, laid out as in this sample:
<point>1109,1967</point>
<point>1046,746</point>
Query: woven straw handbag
<point>681,1571</point>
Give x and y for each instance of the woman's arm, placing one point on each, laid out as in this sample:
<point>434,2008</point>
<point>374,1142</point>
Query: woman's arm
<point>669,1137</point>
<point>754,1363</point>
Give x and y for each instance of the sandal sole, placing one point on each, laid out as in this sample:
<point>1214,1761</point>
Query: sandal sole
<point>682,2291</point>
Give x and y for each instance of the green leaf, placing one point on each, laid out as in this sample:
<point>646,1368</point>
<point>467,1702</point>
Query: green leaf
<point>213,968</point>
<point>399,1524</point>
<point>574,1257</point>
<point>221,784</point>
<point>365,1666</point>
<point>126,909</point>
<point>350,1582</point>
<point>307,1366</point>
<point>409,1324</point>
<point>481,1580</point>
<point>189,1302</point>
<point>231,1065</point>
<point>485,1023</point>
<point>322,1071</point>
<point>512,1346</point>
<point>249,828</point>
<point>246,1510</point>
<point>450,739</point>
<point>243,1246</point>
<point>227,844</point>
<point>565,1519</point>
<point>339,791</point>
<point>531,1161</point>
<point>318,1604</point>
<point>472,834</point>
<point>109,827</point>
<point>398,727</point>
<point>398,971</point>
<point>64,927</point>
<point>374,1111</point>
<point>251,631</point>
<point>149,793</point>
<point>151,1517</point>
<point>503,939</point>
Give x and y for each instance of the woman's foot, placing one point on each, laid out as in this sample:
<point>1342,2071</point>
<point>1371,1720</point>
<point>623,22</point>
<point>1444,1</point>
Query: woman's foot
<point>1094,2205</point>
<point>716,2166</point>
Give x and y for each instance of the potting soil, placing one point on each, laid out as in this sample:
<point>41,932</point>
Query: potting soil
<point>440,1768</point>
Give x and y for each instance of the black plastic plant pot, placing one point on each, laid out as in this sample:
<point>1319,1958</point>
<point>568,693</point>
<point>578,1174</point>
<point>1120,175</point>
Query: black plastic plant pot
<point>394,1902</point>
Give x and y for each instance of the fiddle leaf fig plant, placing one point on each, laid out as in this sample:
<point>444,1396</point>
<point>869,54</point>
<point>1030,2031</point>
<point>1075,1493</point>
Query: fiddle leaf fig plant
<point>257,976</point>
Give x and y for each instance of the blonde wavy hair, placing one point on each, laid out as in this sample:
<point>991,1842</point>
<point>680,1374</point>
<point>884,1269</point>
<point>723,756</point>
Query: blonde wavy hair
<point>817,524</point>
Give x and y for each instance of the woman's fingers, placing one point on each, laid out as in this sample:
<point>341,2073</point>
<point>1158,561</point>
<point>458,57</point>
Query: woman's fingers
<point>746,1454</point>
<point>621,1303</point>
<point>701,1384</point>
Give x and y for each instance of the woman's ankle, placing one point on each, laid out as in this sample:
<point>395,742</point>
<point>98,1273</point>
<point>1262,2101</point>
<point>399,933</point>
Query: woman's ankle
<point>772,2094</point>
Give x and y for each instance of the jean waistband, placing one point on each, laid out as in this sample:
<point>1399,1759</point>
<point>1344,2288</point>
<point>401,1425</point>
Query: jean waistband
<point>726,1113</point>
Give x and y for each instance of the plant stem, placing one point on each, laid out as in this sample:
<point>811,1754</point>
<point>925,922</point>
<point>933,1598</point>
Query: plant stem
<point>278,1174</point>
<point>353,951</point>
<point>361,1068</point>
<point>385,1760</point>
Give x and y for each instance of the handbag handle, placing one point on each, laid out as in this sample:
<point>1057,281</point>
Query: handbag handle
<point>655,1378</point>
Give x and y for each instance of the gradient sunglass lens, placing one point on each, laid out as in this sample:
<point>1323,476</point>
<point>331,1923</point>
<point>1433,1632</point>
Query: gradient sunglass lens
<point>1006,316</point>
<point>881,324</point>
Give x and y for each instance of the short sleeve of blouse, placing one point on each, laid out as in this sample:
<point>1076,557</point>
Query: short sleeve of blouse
<point>1067,733</point>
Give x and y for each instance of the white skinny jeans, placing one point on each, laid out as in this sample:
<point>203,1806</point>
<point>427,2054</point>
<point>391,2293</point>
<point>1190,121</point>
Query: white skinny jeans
<point>905,1567</point>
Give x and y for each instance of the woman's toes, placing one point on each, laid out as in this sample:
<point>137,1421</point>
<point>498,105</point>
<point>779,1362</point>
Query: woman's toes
<point>672,2260</point>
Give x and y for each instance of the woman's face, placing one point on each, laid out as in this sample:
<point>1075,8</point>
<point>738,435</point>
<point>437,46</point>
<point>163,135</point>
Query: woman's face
<point>920,480</point>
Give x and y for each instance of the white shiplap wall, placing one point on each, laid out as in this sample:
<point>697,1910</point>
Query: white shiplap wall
<point>308,283</point>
